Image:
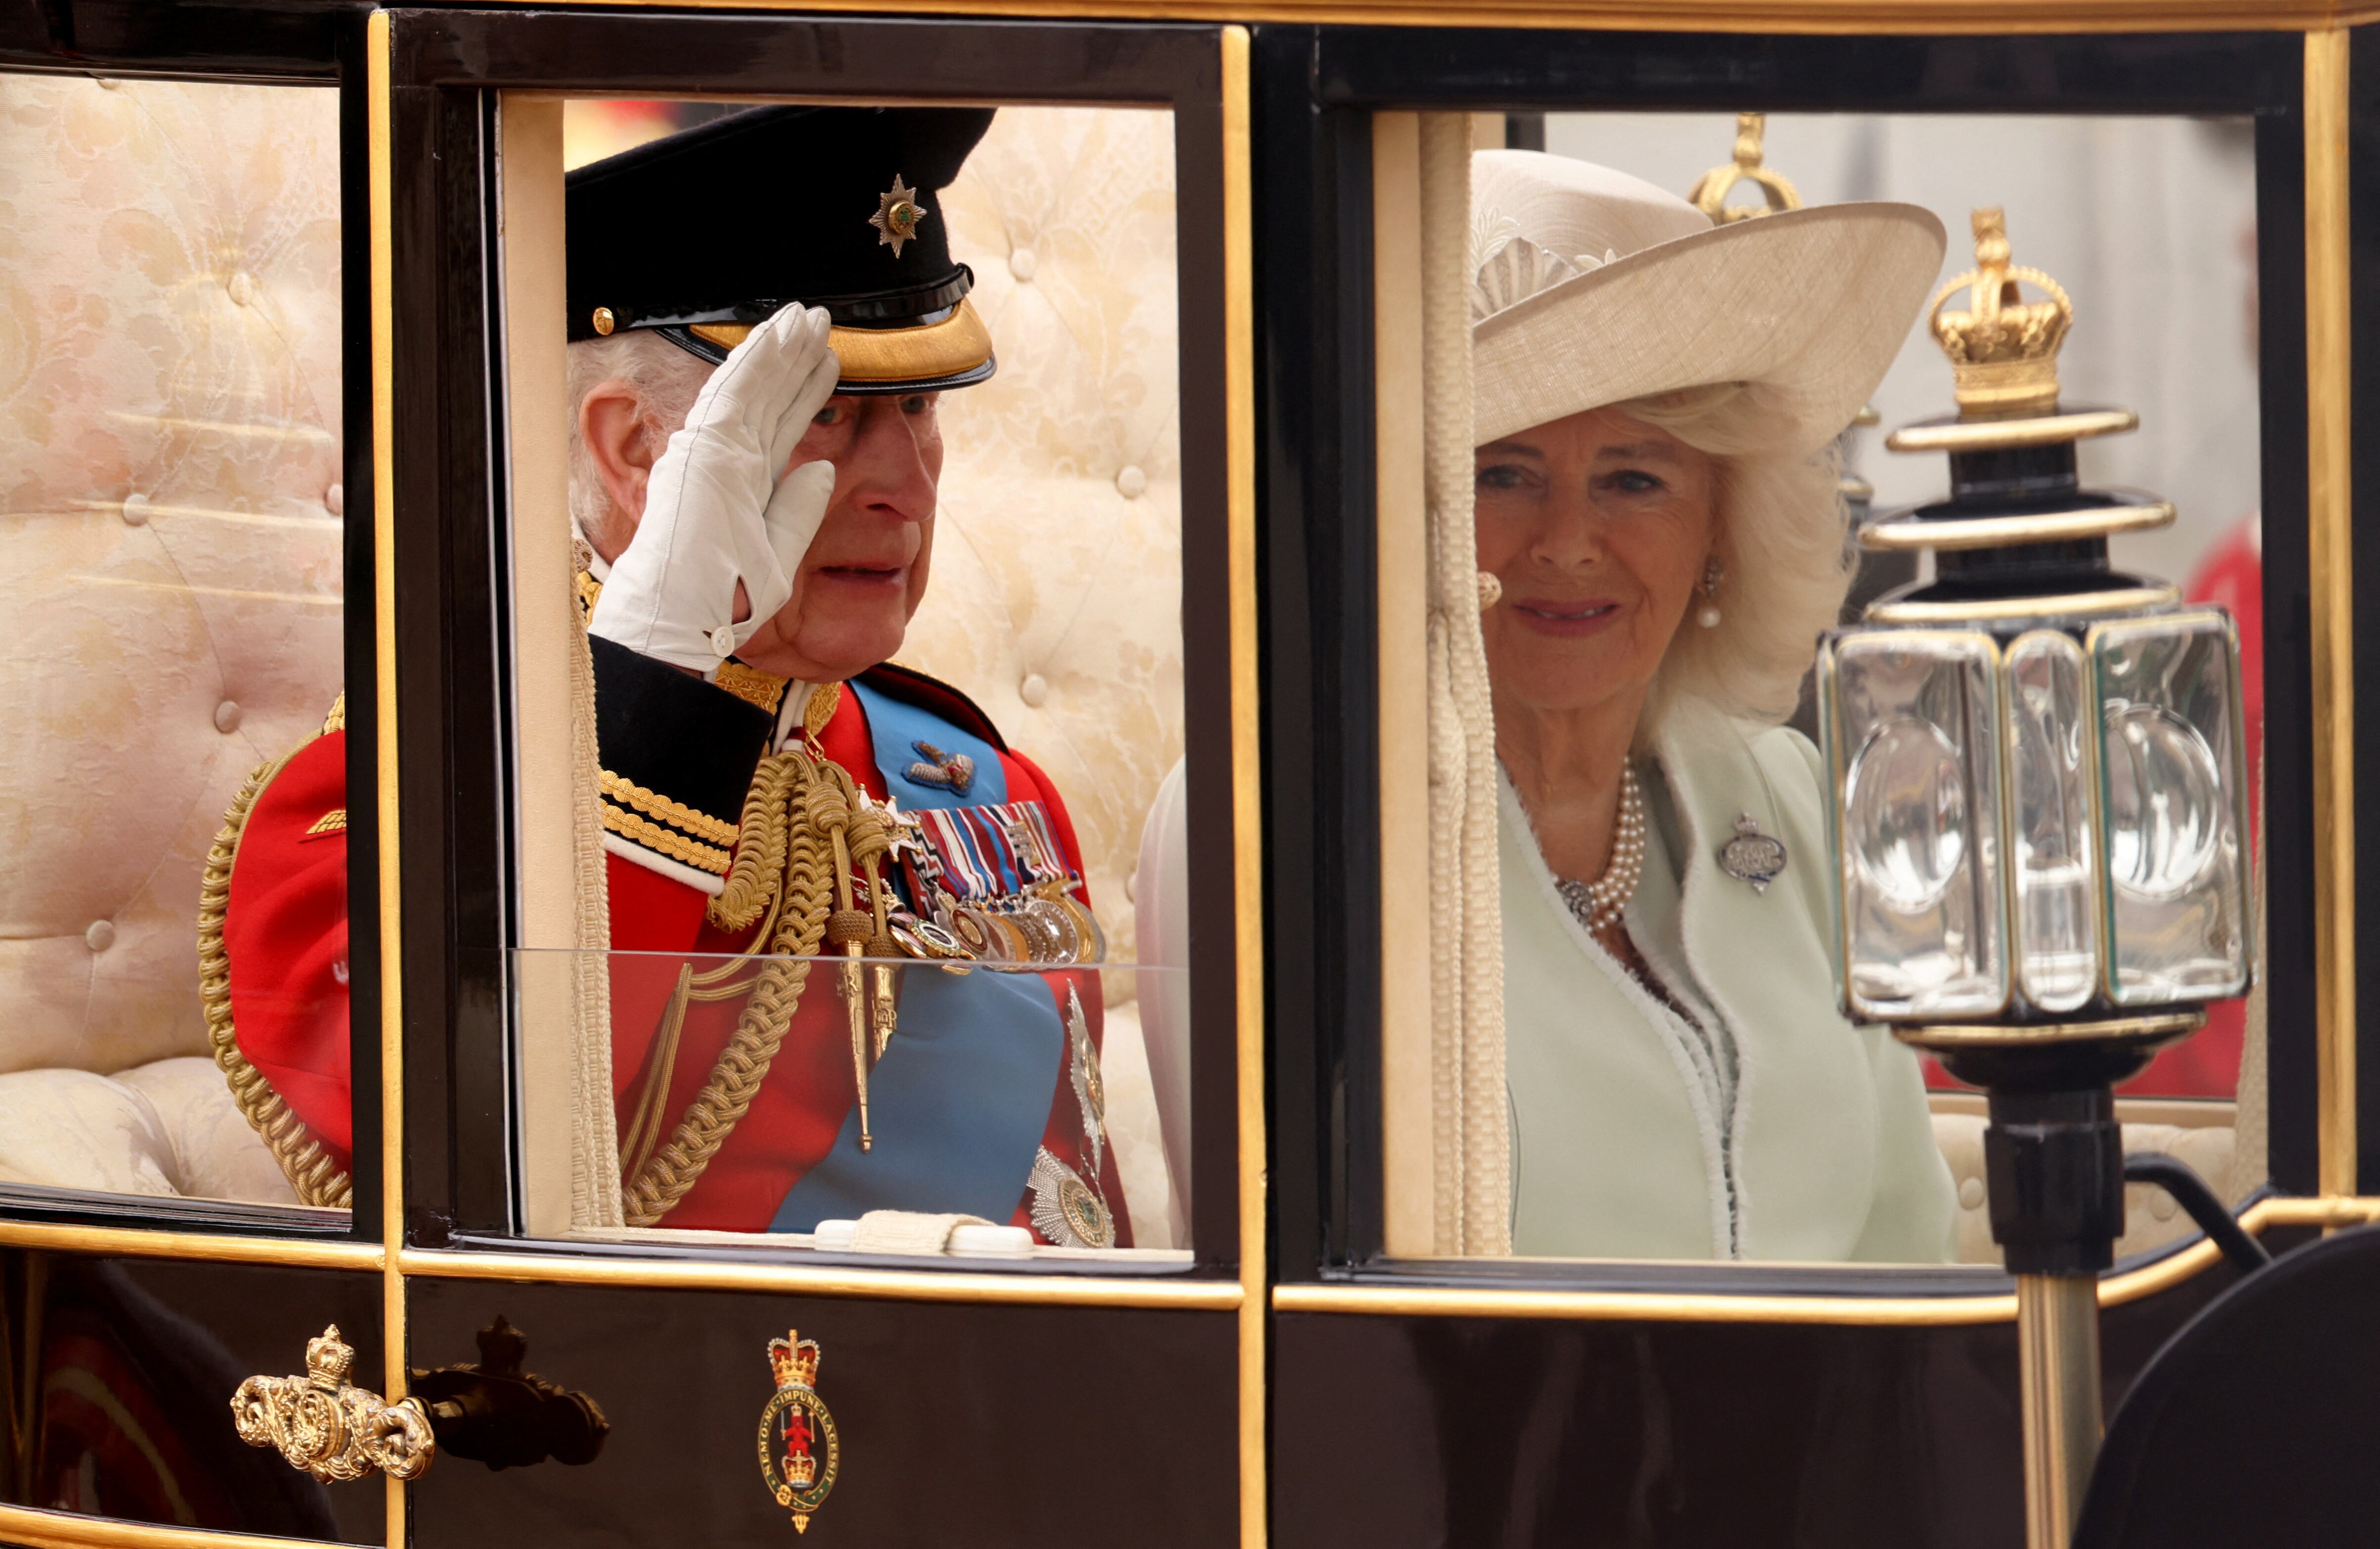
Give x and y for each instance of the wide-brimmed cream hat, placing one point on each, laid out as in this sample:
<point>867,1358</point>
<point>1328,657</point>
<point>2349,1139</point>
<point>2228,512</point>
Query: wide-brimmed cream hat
<point>1593,287</point>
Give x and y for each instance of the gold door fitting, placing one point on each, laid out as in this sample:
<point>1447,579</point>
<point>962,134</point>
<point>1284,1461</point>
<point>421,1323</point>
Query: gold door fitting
<point>328,1427</point>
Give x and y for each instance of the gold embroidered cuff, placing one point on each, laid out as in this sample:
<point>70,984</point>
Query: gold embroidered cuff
<point>677,846</point>
<point>653,804</point>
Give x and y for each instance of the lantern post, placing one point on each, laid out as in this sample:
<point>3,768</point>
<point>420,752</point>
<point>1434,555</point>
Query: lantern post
<point>2040,838</point>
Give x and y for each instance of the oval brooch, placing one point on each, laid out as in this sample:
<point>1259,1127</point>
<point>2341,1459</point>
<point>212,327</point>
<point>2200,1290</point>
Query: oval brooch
<point>1752,856</point>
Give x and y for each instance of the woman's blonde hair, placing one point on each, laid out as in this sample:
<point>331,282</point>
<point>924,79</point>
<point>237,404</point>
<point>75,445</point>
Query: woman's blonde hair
<point>1783,546</point>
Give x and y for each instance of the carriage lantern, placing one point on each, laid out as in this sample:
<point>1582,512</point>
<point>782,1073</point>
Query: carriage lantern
<point>2040,835</point>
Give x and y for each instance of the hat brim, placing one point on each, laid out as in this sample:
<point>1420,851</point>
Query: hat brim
<point>951,351</point>
<point>1812,304</point>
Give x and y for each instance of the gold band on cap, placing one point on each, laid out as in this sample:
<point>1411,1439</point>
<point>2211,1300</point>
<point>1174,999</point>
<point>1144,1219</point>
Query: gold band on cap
<point>958,343</point>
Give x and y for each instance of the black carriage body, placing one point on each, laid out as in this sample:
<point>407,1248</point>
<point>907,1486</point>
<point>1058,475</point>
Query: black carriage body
<point>1293,1383</point>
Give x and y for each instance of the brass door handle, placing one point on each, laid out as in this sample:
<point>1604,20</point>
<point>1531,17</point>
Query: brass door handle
<point>326,1426</point>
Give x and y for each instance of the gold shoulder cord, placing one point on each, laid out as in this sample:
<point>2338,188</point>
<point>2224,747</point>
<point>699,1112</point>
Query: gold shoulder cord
<point>803,822</point>
<point>297,1150</point>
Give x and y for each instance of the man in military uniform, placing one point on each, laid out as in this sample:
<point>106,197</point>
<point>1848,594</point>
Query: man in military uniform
<point>773,791</point>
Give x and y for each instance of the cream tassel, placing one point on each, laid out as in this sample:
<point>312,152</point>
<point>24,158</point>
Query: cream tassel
<point>1473,1197</point>
<point>594,1124</point>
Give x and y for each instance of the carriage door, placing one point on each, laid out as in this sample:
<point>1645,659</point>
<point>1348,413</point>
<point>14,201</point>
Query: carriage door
<point>820,1113</point>
<point>1480,1337</point>
<point>187,850</point>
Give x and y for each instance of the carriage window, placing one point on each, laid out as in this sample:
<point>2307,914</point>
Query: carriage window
<point>1716,364</point>
<point>848,547</point>
<point>173,844</point>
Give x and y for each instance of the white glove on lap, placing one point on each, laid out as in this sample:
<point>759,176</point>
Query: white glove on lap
<point>716,512</point>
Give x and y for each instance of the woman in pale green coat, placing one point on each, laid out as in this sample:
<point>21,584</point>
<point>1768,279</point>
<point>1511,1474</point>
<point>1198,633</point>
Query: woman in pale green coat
<point>1656,398</point>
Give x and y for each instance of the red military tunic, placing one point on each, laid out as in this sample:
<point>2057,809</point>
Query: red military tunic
<point>286,938</point>
<point>810,1090</point>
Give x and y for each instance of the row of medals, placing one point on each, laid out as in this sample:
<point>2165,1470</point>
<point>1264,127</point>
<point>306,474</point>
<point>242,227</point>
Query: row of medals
<point>1045,928</point>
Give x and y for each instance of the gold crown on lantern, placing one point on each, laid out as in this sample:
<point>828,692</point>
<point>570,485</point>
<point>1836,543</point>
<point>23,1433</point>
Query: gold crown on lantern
<point>1777,191</point>
<point>2003,349</point>
<point>794,1360</point>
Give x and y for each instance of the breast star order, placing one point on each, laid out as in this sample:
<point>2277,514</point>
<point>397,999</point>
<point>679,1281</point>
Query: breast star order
<point>897,214</point>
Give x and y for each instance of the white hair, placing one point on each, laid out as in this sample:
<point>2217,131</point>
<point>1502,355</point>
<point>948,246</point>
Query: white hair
<point>665,379</point>
<point>1782,544</point>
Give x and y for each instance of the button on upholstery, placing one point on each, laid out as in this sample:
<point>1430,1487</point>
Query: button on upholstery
<point>136,510</point>
<point>1971,1193</point>
<point>1131,481</point>
<point>100,935</point>
<point>334,500</point>
<point>228,716</point>
<point>1022,263</point>
<point>1034,690</point>
<point>242,286</point>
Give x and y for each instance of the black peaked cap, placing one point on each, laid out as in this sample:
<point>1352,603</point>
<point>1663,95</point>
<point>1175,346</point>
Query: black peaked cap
<point>728,220</point>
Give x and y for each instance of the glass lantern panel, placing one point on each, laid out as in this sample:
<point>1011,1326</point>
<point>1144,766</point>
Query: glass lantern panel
<point>2173,780</point>
<point>1913,735</point>
<point>2049,791</point>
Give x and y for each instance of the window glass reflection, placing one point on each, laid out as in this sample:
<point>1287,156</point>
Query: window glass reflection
<point>1679,396</point>
<point>878,523</point>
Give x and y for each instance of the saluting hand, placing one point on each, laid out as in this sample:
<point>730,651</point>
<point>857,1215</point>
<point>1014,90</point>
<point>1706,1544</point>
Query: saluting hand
<point>720,509</point>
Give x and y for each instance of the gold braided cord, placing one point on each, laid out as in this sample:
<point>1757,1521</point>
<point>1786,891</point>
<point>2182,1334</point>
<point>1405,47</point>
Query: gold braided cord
<point>652,836</point>
<point>652,1100</point>
<point>755,879</point>
<point>337,719</point>
<point>298,1153</point>
<point>653,804</point>
<point>818,801</point>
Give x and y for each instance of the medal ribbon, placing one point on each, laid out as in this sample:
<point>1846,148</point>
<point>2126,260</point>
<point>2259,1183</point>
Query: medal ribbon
<point>992,851</point>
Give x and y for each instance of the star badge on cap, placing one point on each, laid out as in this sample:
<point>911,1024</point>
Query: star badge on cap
<point>898,215</point>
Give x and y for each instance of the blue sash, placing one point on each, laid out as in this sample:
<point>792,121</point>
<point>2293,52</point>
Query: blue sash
<point>959,1102</point>
<point>957,1106</point>
<point>902,734</point>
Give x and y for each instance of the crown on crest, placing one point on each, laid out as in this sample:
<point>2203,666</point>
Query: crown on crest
<point>794,1360</point>
<point>329,1359</point>
<point>2003,349</point>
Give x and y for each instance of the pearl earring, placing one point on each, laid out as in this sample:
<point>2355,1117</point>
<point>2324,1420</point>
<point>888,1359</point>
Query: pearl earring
<point>1713,574</point>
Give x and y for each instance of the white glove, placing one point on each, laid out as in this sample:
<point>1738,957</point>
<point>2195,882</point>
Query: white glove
<point>716,512</point>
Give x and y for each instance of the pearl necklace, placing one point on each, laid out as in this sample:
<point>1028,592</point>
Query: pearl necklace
<point>1599,904</point>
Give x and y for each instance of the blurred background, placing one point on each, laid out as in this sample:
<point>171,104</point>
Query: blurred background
<point>2149,224</point>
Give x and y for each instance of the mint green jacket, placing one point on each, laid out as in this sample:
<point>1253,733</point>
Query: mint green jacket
<point>1623,1146</point>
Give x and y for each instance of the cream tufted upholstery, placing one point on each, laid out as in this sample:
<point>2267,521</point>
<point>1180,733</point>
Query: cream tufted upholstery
<point>169,573</point>
<point>2207,1142</point>
<point>1056,598</point>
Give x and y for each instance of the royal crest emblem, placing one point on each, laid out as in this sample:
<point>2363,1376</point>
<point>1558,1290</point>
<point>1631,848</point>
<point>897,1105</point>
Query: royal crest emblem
<point>951,771</point>
<point>799,1452</point>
